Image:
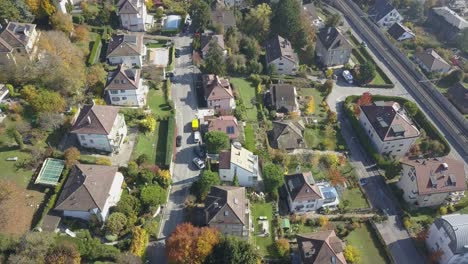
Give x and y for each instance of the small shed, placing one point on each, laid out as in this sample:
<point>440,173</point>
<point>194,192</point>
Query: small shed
<point>285,225</point>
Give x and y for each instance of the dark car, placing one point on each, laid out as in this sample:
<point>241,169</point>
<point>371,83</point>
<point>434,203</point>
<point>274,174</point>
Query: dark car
<point>177,53</point>
<point>178,141</point>
<point>169,74</point>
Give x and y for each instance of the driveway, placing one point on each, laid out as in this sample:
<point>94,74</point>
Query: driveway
<point>158,56</point>
<point>184,171</point>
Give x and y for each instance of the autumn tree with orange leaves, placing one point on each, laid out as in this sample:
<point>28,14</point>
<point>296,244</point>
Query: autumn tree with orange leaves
<point>335,176</point>
<point>191,245</point>
<point>365,99</point>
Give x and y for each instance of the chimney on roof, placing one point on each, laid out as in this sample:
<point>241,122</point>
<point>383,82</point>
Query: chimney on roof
<point>89,120</point>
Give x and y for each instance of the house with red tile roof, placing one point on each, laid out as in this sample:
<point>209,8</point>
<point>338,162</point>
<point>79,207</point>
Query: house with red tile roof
<point>218,93</point>
<point>390,130</point>
<point>432,182</point>
<point>227,124</point>
<point>320,247</point>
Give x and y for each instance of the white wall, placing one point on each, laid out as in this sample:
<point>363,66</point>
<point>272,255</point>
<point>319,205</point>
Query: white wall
<point>114,194</point>
<point>390,19</point>
<point>285,66</point>
<point>94,141</point>
<point>78,214</point>
<point>118,132</point>
<point>135,22</point>
<point>405,35</point>
<point>242,175</point>
<point>129,97</point>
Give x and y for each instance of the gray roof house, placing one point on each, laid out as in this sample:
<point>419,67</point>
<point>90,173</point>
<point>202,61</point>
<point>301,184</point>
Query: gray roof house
<point>332,47</point>
<point>458,94</point>
<point>449,234</point>
<point>206,40</point>
<point>384,14</point>
<point>228,209</point>
<point>430,61</point>
<point>126,49</point>
<point>280,53</point>
<point>400,32</point>
<point>446,22</point>
<point>90,190</point>
<point>283,98</point>
<point>223,17</point>
<point>322,247</point>
<point>287,135</point>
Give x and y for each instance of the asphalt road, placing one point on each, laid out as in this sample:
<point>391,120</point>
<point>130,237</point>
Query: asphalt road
<point>184,171</point>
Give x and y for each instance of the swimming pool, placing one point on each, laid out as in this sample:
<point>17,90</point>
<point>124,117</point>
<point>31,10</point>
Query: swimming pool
<point>172,22</point>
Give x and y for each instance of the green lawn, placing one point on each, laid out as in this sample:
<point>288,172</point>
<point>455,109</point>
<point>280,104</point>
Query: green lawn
<point>146,144</point>
<point>265,244</point>
<point>378,79</point>
<point>355,197</point>
<point>315,136</point>
<point>156,45</point>
<point>158,104</point>
<point>246,91</point>
<point>319,113</point>
<point>370,248</point>
<point>249,137</point>
<point>9,170</point>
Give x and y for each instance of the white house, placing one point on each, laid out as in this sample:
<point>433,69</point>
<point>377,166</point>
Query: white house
<point>126,49</point>
<point>390,130</point>
<point>90,190</point>
<point>384,14</point>
<point>304,195</point>
<point>280,53</point>
<point>133,15</point>
<point>100,127</point>
<point>430,61</point>
<point>400,32</point>
<point>218,93</point>
<point>242,163</point>
<point>432,182</point>
<point>18,39</point>
<point>449,235</point>
<point>125,87</point>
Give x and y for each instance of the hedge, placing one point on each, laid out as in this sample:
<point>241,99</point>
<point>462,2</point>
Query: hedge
<point>167,90</point>
<point>170,66</point>
<point>96,51</point>
<point>170,140</point>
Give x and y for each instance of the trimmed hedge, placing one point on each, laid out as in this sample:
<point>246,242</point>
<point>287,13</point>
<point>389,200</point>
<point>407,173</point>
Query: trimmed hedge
<point>170,140</point>
<point>170,65</point>
<point>96,50</point>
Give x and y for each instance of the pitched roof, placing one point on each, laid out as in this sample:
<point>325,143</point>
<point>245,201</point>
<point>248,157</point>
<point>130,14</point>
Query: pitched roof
<point>227,204</point>
<point>458,93</point>
<point>431,59</point>
<point>380,9</point>
<point>223,17</point>
<point>284,94</point>
<point>451,17</point>
<point>225,160</point>
<point>389,120</point>
<point>332,38</point>
<point>206,40</point>
<point>95,119</point>
<point>321,247</point>
<point>15,35</point>
<point>245,159</point>
<point>456,226</point>
<point>123,78</point>
<point>397,30</point>
<point>86,188</point>
<point>227,124</point>
<point>216,88</point>
<point>129,6</point>
<point>278,47</point>
<point>125,45</point>
<point>439,175</point>
<point>291,130</point>
<point>301,187</point>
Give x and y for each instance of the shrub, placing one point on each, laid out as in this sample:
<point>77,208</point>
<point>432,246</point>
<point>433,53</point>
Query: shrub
<point>103,161</point>
<point>139,241</point>
<point>116,223</point>
<point>282,247</point>
<point>71,155</point>
<point>351,254</point>
<point>152,195</point>
<point>95,51</point>
<point>443,210</point>
<point>170,140</point>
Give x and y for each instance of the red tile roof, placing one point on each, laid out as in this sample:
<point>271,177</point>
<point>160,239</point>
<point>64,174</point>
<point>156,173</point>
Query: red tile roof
<point>226,124</point>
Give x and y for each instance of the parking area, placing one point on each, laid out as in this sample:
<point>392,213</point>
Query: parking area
<point>158,57</point>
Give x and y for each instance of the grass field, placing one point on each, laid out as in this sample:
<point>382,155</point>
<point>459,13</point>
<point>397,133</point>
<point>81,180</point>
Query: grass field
<point>355,197</point>
<point>265,244</point>
<point>319,113</point>
<point>246,91</point>
<point>158,104</point>
<point>146,144</point>
<point>378,79</point>
<point>315,136</point>
<point>370,249</point>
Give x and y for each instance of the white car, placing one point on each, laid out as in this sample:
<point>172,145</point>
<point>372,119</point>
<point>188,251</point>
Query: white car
<point>200,164</point>
<point>348,76</point>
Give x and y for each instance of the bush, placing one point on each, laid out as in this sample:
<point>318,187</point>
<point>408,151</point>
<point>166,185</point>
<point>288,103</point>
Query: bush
<point>282,247</point>
<point>139,241</point>
<point>103,161</point>
<point>443,210</point>
<point>95,51</point>
<point>153,195</point>
<point>170,141</point>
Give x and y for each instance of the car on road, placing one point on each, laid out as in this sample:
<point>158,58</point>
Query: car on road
<point>169,75</point>
<point>177,53</point>
<point>199,163</point>
<point>196,137</point>
<point>364,44</point>
<point>363,182</point>
<point>348,76</point>
<point>178,141</point>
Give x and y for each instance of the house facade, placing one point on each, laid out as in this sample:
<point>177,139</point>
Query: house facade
<point>400,32</point>
<point>228,210</point>
<point>384,14</point>
<point>430,61</point>
<point>287,135</point>
<point>332,47</point>
<point>133,16</point>
<point>448,235</point>
<point>90,190</point>
<point>126,49</point>
<point>320,247</point>
<point>388,127</point>
<point>305,195</point>
<point>432,182</point>
<point>100,127</point>
<point>241,163</point>
<point>284,98</point>
<point>218,93</point>
<point>125,87</point>
<point>227,124</point>
<point>18,39</point>
<point>281,55</point>
<point>447,23</point>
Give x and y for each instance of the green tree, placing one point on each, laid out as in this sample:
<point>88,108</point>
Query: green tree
<point>233,250</point>
<point>366,73</point>
<point>257,22</point>
<point>200,13</point>
<point>214,60</point>
<point>128,205</point>
<point>333,20</point>
<point>216,141</point>
<point>62,22</point>
<point>416,10</point>
<point>146,176</point>
<point>411,108</point>
<point>286,20</point>
<point>139,241</point>
<point>32,248</point>
<point>116,223</point>
<point>250,48</point>
<point>148,124</point>
<point>272,178</point>
<point>153,195</point>
<point>351,254</point>
<point>9,11</point>
<point>202,186</point>
<point>282,247</point>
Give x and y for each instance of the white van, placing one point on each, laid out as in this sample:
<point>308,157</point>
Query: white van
<point>196,137</point>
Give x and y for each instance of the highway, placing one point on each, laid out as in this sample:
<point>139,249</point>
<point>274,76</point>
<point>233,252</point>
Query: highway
<point>453,125</point>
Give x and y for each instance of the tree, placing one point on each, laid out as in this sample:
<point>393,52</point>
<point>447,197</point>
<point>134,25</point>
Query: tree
<point>272,177</point>
<point>65,252</point>
<point>366,72</point>
<point>333,20</point>
<point>335,176</point>
<point>310,109</point>
<point>189,244</point>
<point>365,99</point>
<point>43,100</point>
<point>323,221</point>
<point>200,13</point>
<point>81,34</point>
<point>103,161</point>
<point>453,77</point>
<point>233,250</point>
<point>411,108</point>
<point>442,210</point>
<point>71,155</point>
<point>351,254</point>
<point>148,124</point>
<point>416,10</point>
<point>163,177</point>
<point>329,73</point>
<point>257,22</point>
<point>96,78</point>
<point>202,186</point>
<point>214,60</point>
<point>116,223</point>
<point>139,241</point>
<point>9,11</point>
<point>332,117</point>
<point>250,48</point>
<point>32,248</point>
<point>327,86</point>
<point>282,247</point>
<point>216,141</point>
<point>153,195</point>
<point>62,22</point>
<point>50,121</point>
<point>285,20</point>
<point>235,180</point>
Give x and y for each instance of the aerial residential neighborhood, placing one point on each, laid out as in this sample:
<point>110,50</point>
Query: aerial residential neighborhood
<point>234,131</point>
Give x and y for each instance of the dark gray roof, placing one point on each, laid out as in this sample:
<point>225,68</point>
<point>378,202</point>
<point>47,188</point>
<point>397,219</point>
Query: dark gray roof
<point>287,134</point>
<point>280,47</point>
<point>332,38</point>
<point>222,199</point>
<point>224,17</point>
<point>283,93</point>
<point>459,95</point>
<point>456,226</point>
<point>380,9</point>
<point>95,119</point>
<point>397,29</point>
<point>301,187</point>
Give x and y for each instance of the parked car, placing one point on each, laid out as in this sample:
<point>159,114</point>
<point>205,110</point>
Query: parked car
<point>196,137</point>
<point>178,141</point>
<point>363,182</point>
<point>177,53</point>
<point>169,75</point>
<point>199,163</point>
<point>364,44</point>
<point>348,76</point>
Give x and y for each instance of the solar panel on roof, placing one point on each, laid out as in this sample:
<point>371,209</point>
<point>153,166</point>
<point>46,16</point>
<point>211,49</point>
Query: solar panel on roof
<point>382,123</point>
